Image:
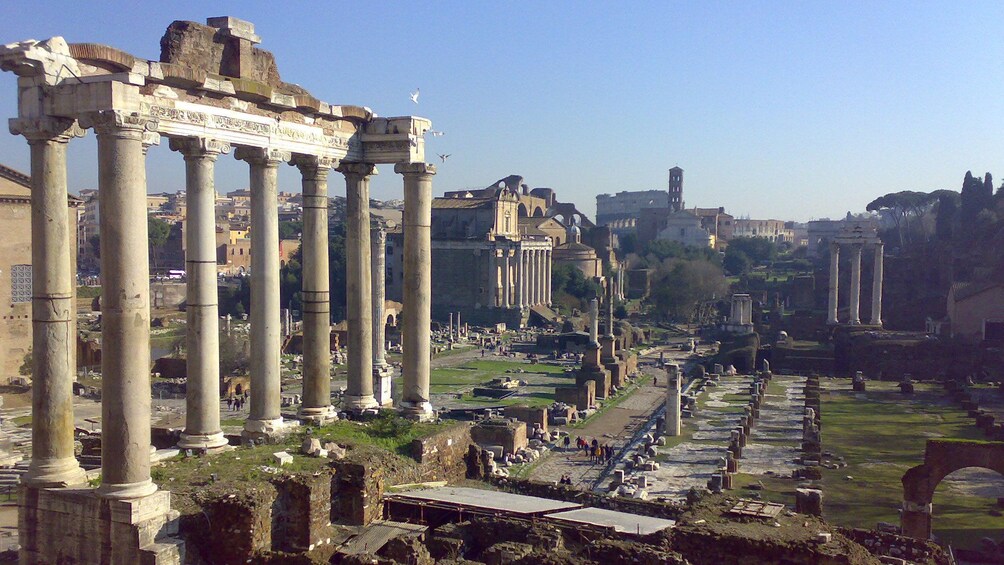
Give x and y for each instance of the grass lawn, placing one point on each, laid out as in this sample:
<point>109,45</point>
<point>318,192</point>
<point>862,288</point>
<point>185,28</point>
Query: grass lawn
<point>390,433</point>
<point>542,378</point>
<point>881,434</point>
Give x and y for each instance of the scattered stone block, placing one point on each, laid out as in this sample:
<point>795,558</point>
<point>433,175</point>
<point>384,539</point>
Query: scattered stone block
<point>310,446</point>
<point>282,458</point>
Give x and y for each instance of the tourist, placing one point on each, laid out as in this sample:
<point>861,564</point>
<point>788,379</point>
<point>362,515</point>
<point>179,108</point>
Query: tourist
<point>566,441</point>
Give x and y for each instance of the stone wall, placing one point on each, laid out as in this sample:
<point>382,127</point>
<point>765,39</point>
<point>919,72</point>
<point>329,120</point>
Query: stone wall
<point>581,396</point>
<point>233,524</point>
<point>440,457</point>
<point>529,415</point>
<point>301,512</point>
<point>510,435</point>
<point>887,544</point>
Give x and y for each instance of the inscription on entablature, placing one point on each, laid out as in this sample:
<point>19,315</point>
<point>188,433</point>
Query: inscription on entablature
<point>242,125</point>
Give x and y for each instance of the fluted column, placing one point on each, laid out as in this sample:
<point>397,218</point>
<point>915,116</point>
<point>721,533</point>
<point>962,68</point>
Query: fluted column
<point>855,315</point>
<point>521,277</point>
<point>507,293</point>
<point>417,287</point>
<point>539,277</point>
<point>877,285</point>
<point>316,406</point>
<point>202,391</point>
<point>381,370</point>
<point>265,417</point>
<point>832,310</point>
<point>531,277</point>
<point>125,305</point>
<point>493,279</point>
<point>359,286</point>
<point>548,265</point>
<point>53,310</point>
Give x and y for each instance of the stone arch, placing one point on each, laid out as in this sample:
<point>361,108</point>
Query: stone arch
<point>538,212</point>
<point>521,211</point>
<point>941,458</point>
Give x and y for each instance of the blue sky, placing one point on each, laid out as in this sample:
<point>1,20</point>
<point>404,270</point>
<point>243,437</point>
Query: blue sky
<point>773,109</point>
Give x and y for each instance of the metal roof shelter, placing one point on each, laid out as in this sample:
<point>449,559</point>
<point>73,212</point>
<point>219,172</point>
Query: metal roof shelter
<point>620,522</point>
<point>489,501</point>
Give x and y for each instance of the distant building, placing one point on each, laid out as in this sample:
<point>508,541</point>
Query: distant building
<point>820,233</point>
<point>491,254</point>
<point>773,230</point>
<point>976,311</point>
<point>685,227</point>
<point>676,189</point>
<point>620,211</point>
<point>717,223</point>
<point>16,268</point>
<point>579,255</point>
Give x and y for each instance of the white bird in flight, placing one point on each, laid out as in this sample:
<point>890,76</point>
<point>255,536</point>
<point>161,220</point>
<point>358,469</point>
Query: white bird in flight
<point>444,156</point>
<point>414,95</point>
<point>435,133</point>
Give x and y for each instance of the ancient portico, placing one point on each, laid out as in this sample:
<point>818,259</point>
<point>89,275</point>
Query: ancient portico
<point>856,240</point>
<point>211,91</point>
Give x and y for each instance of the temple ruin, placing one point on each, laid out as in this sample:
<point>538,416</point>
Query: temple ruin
<point>211,91</point>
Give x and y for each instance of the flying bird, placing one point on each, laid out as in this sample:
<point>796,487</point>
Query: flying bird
<point>435,133</point>
<point>414,95</point>
<point>444,156</point>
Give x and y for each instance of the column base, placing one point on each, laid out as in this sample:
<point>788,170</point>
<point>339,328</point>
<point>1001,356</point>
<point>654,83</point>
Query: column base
<point>875,323</point>
<point>420,411</point>
<point>382,375</point>
<point>211,443</point>
<point>318,416</point>
<point>360,403</point>
<point>59,525</point>
<point>127,491</point>
<point>55,473</point>
<point>268,430</point>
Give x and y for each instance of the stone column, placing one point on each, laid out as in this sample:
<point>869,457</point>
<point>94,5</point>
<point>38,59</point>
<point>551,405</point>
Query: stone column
<point>877,285</point>
<point>53,310</point>
<point>381,370</point>
<point>673,388</point>
<point>125,305</point>
<point>202,392</point>
<point>265,417</point>
<point>316,406</point>
<point>833,306</point>
<point>533,280</point>
<point>507,295</point>
<point>548,265</point>
<point>855,316</point>
<point>417,287</point>
<point>359,286</point>
<point>493,278</point>
<point>594,322</point>
<point>521,297</point>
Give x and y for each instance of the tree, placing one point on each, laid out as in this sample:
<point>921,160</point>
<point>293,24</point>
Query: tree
<point>736,262</point>
<point>157,232</point>
<point>290,229</point>
<point>758,250</point>
<point>946,210</point>
<point>900,206</point>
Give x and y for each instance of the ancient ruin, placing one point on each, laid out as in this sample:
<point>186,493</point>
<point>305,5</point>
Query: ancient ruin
<point>211,91</point>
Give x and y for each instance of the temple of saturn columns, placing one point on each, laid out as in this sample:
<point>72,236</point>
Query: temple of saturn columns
<point>856,239</point>
<point>212,91</point>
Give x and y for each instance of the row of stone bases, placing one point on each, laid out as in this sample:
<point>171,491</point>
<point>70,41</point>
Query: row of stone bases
<point>211,90</point>
<point>606,367</point>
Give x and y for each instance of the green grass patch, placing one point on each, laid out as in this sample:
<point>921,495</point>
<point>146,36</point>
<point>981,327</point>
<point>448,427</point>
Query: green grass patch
<point>22,421</point>
<point>881,434</point>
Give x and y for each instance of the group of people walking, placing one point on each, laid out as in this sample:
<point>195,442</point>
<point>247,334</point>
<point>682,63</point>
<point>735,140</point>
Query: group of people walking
<point>597,453</point>
<point>237,402</point>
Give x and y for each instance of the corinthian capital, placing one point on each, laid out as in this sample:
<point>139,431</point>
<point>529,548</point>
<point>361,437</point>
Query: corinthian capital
<point>116,122</point>
<point>425,169</point>
<point>262,156</point>
<point>357,169</point>
<point>199,147</point>
<point>313,167</point>
<point>46,129</point>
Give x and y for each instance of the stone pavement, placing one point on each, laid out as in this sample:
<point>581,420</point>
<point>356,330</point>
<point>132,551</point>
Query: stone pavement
<point>615,427</point>
<point>774,441</point>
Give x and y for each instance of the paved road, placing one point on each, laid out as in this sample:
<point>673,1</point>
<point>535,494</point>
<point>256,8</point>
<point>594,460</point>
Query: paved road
<point>616,427</point>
